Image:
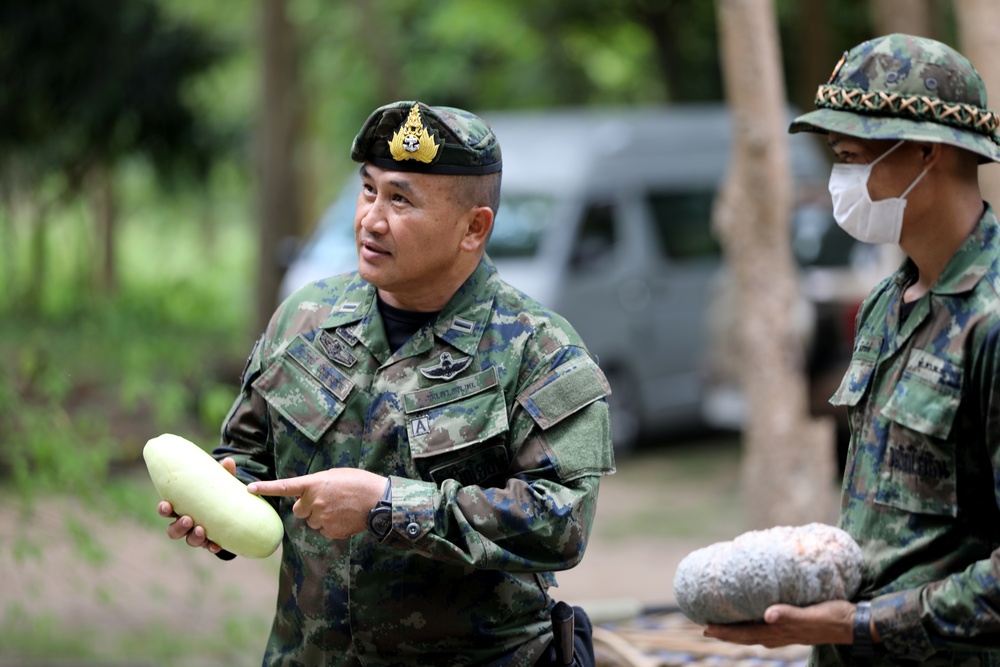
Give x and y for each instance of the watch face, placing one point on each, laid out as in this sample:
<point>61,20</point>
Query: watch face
<point>380,522</point>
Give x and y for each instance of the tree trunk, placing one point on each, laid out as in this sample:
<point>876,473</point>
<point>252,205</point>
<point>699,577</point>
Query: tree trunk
<point>912,17</point>
<point>980,43</point>
<point>277,139</point>
<point>787,472</point>
<point>815,52</point>
<point>38,269</point>
<point>8,236</point>
<point>103,207</point>
<point>382,49</point>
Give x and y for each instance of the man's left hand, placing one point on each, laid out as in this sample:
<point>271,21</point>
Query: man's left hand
<point>335,502</point>
<point>824,623</point>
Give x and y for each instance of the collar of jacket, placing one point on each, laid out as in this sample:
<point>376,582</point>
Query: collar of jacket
<point>974,259</point>
<point>460,323</point>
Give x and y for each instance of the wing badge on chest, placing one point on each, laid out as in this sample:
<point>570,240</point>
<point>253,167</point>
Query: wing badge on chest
<point>446,368</point>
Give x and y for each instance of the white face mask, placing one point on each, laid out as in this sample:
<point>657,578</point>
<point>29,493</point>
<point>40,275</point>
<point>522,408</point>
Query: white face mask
<point>866,220</point>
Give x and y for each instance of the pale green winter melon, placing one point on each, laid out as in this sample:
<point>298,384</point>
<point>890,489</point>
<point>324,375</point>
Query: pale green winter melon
<point>196,485</point>
<point>734,582</point>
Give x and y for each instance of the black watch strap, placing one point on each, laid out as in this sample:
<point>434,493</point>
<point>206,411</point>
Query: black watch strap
<point>863,647</point>
<point>380,517</point>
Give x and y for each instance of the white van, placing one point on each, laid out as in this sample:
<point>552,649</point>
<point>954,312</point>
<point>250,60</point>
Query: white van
<point>605,218</point>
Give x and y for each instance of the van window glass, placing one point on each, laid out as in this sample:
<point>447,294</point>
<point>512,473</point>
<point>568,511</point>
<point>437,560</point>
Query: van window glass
<point>683,223</point>
<point>596,239</point>
<point>333,243</point>
<point>519,226</point>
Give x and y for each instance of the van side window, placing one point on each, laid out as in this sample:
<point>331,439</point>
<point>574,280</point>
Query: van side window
<point>595,241</point>
<point>520,224</point>
<point>683,224</point>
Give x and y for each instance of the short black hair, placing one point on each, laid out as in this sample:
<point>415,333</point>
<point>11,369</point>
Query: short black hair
<point>479,190</point>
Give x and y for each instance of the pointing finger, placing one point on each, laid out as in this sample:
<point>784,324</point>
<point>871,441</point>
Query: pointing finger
<point>281,487</point>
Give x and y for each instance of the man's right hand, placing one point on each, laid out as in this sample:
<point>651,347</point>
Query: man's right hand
<point>184,526</point>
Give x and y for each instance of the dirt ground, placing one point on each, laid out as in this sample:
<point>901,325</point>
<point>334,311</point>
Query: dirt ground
<point>75,584</point>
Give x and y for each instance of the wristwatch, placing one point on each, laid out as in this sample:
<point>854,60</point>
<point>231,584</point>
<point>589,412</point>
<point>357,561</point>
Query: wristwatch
<point>863,645</point>
<point>380,517</point>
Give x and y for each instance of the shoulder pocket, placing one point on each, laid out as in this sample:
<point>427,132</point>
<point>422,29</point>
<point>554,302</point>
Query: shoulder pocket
<point>564,391</point>
<point>305,388</point>
<point>859,372</point>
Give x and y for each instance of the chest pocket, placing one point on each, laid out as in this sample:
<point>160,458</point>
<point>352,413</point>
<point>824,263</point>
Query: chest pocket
<point>448,426</point>
<point>305,388</point>
<point>859,372</point>
<point>927,395</point>
<point>917,471</point>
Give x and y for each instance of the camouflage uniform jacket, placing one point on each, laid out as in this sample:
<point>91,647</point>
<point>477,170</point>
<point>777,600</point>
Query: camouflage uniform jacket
<point>493,425</point>
<point>922,484</point>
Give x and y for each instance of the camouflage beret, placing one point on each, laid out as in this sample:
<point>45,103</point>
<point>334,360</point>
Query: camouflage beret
<point>905,87</point>
<point>411,136</point>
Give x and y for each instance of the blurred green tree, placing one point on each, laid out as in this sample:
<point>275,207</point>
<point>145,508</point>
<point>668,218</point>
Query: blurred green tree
<point>84,83</point>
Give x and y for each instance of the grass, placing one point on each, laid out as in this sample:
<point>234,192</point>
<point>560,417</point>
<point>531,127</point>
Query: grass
<point>46,639</point>
<point>665,492</point>
<point>86,537</point>
<point>86,379</point>
<point>676,489</point>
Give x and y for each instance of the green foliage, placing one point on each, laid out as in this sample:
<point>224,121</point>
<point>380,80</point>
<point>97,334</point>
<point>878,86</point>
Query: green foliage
<point>482,55</point>
<point>85,380</point>
<point>90,81</point>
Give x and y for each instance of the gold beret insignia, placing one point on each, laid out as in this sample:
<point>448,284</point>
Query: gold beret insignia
<point>412,141</point>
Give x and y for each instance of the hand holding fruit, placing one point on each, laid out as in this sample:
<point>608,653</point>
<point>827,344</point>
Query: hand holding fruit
<point>184,526</point>
<point>213,508</point>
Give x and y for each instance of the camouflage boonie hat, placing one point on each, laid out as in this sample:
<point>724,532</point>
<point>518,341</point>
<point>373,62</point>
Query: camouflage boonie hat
<point>905,87</point>
<point>411,136</point>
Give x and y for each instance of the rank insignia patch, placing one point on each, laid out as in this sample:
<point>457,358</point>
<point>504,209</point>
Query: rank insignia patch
<point>347,333</point>
<point>446,368</point>
<point>336,350</point>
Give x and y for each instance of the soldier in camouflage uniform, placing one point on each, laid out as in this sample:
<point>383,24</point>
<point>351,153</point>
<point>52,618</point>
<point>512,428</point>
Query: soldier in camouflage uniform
<point>908,120</point>
<point>431,437</point>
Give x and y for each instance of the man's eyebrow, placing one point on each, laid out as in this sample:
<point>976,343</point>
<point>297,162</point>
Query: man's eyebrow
<point>401,185</point>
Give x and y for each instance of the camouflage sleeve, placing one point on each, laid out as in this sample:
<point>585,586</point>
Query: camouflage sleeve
<point>245,429</point>
<point>541,519</point>
<point>962,611</point>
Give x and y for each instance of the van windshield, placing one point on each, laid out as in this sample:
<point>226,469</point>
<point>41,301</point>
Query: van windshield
<point>333,242</point>
<point>519,225</point>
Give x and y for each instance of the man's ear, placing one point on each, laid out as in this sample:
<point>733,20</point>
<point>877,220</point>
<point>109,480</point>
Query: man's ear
<point>930,152</point>
<point>480,224</point>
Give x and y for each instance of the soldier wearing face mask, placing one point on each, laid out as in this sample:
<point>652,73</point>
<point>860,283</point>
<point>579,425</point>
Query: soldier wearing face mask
<point>908,120</point>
